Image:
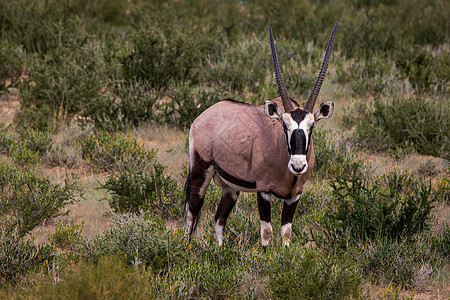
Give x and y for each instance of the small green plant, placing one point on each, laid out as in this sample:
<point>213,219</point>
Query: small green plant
<point>142,185</point>
<point>105,150</point>
<point>18,256</point>
<point>406,123</point>
<point>142,241</point>
<point>333,155</point>
<point>67,236</point>
<point>109,278</point>
<point>396,205</point>
<point>406,263</point>
<point>28,198</point>
<point>297,273</point>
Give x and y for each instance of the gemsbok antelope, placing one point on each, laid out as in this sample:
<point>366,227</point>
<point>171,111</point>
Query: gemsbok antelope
<point>255,149</point>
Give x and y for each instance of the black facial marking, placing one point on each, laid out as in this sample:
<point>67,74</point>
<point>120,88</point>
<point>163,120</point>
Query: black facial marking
<point>298,142</point>
<point>298,115</point>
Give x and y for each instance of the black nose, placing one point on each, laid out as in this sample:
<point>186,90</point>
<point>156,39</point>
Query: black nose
<point>297,170</point>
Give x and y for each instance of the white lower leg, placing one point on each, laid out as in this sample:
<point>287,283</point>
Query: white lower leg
<point>219,232</point>
<point>189,219</point>
<point>266,233</point>
<point>286,233</point>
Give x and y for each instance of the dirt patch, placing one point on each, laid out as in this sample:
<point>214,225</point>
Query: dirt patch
<point>382,163</point>
<point>9,108</point>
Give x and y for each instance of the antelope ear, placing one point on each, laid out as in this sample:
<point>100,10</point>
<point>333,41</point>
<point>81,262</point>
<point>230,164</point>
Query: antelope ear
<point>324,111</point>
<point>272,110</point>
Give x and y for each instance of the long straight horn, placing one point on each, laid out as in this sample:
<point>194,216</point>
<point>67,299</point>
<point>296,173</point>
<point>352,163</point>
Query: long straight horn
<point>309,106</point>
<point>280,82</point>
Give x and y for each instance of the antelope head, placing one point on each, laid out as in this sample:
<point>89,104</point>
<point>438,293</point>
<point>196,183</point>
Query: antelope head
<point>298,123</point>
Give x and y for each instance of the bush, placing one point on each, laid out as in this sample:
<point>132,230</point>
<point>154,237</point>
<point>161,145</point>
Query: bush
<point>18,256</point>
<point>184,105</point>
<point>373,77</point>
<point>128,104</point>
<point>422,68</point>
<point>396,205</point>
<point>142,185</point>
<point>308,274</point>
<point>11,69</point>
<point>66,84</point>
<point>67,236</point>
<point>407,123</point>
<point>28,198</point>
<point>142,241</point>
<point>105,150</point>
<point>166,53</point>
<point>212,273</point>
<point>333,155</point>
<point>407,263</point>
<point>109,278</point>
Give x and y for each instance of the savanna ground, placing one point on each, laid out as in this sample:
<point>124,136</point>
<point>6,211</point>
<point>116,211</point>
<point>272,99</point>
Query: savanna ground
<point>96,101</point>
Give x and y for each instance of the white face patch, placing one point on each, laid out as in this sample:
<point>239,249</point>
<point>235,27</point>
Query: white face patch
<point>266,233</point>
<point>298,163</point>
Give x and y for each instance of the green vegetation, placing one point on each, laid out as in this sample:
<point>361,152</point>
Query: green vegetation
<point>88,73</point>
<point>28,198</point>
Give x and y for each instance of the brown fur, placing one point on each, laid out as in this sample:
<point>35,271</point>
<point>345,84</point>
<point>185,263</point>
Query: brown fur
<point>248,145</point>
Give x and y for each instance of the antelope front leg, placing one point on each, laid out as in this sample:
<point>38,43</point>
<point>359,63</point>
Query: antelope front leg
<point>229,198</point>
<point>287,215</point>
<point>264,216</point>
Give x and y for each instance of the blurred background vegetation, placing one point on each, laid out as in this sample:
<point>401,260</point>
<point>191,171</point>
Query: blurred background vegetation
<point>92,75</point>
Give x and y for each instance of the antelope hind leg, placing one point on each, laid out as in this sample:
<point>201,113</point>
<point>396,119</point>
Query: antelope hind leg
<point>196,185</point>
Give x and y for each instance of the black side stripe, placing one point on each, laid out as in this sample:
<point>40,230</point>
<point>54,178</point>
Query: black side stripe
<point>232,179</point>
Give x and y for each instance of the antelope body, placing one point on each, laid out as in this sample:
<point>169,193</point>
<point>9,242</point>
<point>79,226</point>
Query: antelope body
<point>255,149</point>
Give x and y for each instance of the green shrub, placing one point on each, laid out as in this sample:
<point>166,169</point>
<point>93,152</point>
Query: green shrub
<point>66,84</point>
<point>407,263</point>
<point>142,185</point>
<point>105,150</point>
<point>404,123</point>
<point>109,278</point>
<point>18,256</point>
<point>373,77</point>
<point>297,273</point>
<point>6,139</point>
<point>395,205</point>
<point>213,273</point>
<point>423,68</point>
<point>129,104</point>
<point>67,236</point>
<point>142,241</point>
<point>11,68</point>
<point>241,66</point>
<point>28,198</point>
<point>166,52</point>
<point>25,147</point>
<point>184,105</point>
<point>333,155</point>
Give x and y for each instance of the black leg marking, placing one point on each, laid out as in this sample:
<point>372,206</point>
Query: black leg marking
<point>227,202</point>
<point>200,176</point>
<point>286,220</point>
<point>264,216</point>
